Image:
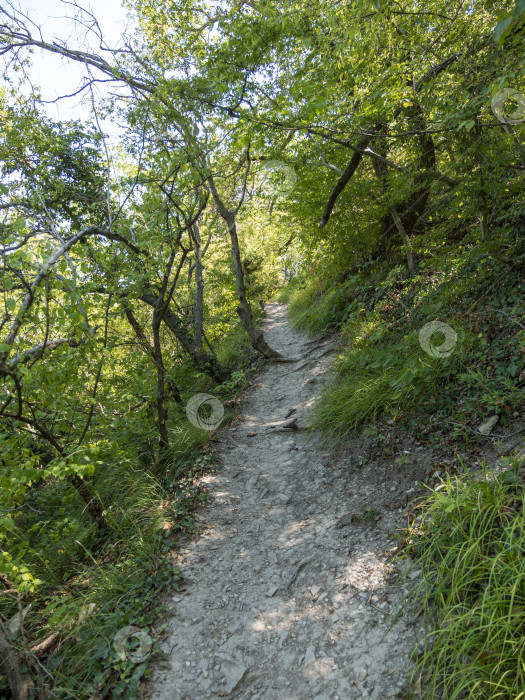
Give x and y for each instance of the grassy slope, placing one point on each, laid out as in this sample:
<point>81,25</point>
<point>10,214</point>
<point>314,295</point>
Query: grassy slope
<point>382,369</point>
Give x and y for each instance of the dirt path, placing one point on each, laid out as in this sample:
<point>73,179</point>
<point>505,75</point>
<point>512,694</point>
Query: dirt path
<point>285,587</point>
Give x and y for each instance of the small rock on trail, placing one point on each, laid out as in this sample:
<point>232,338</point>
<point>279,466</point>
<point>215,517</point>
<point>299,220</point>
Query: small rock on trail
<point>285,597</point>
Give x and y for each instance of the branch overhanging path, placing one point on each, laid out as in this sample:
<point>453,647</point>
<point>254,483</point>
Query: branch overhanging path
<point>284,594</point>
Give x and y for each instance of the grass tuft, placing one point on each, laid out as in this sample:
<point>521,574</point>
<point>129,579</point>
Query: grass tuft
<point>471,551</point>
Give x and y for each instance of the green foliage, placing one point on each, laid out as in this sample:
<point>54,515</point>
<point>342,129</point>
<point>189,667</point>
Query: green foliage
<point>89,587</point>
<point>383,371</point>
<point>119,292</point>
<point>384,380</point>
<point>469,547</point>
<point>509,22</point>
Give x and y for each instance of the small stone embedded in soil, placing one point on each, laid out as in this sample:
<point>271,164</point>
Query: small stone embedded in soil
<point>284,636</point>
<point>362,673</point>
<point>485,428</point>
<point>315,590</point>
<point>234,673</point>
<point>272,557</point>
<point>344,520</point>
<point>271,591</point>
<point>309,656</point>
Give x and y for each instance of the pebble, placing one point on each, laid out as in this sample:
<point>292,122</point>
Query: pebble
<point>272,557</point>
<point>309,656</point>
<point>362,673</point>
<point>284,636</point>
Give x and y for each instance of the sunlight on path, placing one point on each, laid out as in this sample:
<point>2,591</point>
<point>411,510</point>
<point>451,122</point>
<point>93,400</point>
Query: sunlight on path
<point>285,599</point>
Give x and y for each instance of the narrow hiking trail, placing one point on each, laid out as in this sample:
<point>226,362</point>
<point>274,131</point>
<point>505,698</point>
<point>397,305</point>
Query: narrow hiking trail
<point>286,595</point>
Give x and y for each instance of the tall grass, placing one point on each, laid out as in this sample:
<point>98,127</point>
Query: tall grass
<point>471,551</point>
<point>373,382</point>
<point>309,309</point>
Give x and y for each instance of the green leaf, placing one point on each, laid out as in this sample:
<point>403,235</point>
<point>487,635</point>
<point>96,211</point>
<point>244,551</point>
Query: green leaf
<point>502,29</point>
<point>7,523</point>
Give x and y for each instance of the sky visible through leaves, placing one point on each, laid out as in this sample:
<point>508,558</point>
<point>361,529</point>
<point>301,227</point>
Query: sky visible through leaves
<point>56,76</point>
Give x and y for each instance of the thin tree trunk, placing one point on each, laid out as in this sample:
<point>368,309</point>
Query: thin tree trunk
<point>404,237</point>
<point>133,322</point>
<point>162,411</point>
<point>344,179</point>
<point>256,337</point>
<point>155,353</point>
<point>482,194</point>
<point>92,501</point>
<point>203,361</point>
<point>9,665</point>
<point>411,210</point>
<point>244,311</point>
<point>199,284</point>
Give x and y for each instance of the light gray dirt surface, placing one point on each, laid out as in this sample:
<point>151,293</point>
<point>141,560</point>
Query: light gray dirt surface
<point>286,589</point>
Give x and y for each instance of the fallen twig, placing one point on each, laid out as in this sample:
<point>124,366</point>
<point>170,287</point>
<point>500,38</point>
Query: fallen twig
<point>46,644</point>
<point>490,436</point>
<point>298,568</point>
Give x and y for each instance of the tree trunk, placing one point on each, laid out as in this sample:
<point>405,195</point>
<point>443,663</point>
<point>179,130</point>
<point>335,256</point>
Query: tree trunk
<point>344,179</point>
<point>409,211</point>
<point>202,361</point>
<point>256,337</point>
<point>199,291</point>
<point>483,197</point>
<point>404,238</point>
<point>156,355</point>
<point>9,665</point>
<point>162,411</point>
<point>412,208</point>
<point>92,501</point>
